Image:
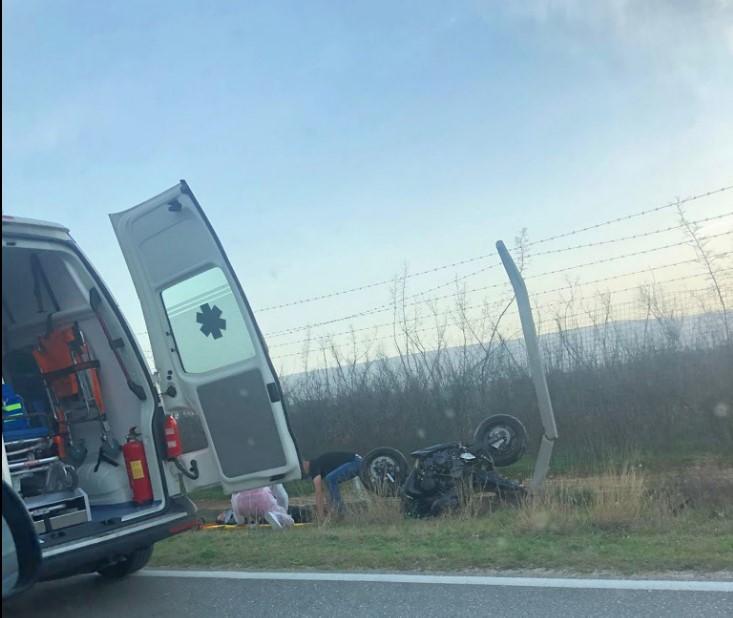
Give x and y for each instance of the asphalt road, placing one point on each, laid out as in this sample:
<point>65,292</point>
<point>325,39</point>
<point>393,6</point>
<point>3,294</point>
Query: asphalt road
<point>139,596</point>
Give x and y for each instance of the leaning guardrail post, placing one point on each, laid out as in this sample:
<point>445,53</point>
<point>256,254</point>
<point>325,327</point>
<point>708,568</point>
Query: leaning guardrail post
<point>536,368</point>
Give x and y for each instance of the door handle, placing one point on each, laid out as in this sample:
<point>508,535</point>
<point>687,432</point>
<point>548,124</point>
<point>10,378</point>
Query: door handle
<point>274,392</point>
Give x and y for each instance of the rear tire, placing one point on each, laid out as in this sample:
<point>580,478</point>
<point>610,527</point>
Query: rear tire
<point>383,471</point>
<point>128,565</point>
<point>502,436</point>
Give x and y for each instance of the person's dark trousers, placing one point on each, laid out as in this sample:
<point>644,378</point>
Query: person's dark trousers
<point>344,472</point>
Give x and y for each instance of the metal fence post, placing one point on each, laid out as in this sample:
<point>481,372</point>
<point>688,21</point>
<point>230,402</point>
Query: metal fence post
<point>536,368</point>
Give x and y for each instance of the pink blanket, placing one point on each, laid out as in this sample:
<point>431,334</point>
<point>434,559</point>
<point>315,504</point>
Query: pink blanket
<point>253,503</point>
<point>259,503</point>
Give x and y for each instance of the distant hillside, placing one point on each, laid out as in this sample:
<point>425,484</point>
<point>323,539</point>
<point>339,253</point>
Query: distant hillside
<point>686,331</point>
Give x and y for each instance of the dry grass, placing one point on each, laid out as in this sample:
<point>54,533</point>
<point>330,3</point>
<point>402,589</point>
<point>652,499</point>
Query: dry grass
<point>614,500</point>
<point>375,510</point>
<point>618,500</point>
<point>610,501</point>
<point>705,489</point>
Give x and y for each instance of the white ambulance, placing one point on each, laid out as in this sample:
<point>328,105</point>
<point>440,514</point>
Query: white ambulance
<point>97,459</point>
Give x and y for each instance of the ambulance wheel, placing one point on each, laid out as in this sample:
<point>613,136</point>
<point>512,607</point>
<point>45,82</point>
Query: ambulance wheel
<point>127,565</point>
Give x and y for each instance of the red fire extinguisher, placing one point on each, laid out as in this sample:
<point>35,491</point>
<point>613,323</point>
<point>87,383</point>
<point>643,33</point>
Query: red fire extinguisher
<point>173,445</point>
<point>137,468</point>
<point>174,449</point>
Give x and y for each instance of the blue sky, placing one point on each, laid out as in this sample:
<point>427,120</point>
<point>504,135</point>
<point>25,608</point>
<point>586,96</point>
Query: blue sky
<point>333,144</point>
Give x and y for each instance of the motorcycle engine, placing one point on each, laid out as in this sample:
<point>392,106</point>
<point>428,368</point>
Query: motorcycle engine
<point>441,469</point>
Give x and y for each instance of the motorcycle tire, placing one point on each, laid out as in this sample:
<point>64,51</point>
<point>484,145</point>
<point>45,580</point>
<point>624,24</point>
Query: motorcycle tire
<point>504,437</point>
<point>383,471</point>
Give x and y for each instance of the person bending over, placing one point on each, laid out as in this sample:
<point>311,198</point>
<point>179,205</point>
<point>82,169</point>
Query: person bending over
<point>331,468</point>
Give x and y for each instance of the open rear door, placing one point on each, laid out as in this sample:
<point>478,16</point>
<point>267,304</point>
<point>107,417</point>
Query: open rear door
<point>208,349</point>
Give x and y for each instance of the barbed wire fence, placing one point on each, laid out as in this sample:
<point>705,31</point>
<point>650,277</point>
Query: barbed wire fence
<point>648,374</point>
<point>632,328</point>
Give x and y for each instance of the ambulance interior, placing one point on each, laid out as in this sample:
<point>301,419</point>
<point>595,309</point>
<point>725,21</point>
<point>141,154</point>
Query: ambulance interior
<point>73,390</point>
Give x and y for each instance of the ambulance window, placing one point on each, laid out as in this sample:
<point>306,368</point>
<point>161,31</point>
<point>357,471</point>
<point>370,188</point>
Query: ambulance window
<point>207,323</point>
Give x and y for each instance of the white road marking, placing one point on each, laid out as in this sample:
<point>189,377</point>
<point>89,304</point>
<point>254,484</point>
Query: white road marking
<point>464,580</point>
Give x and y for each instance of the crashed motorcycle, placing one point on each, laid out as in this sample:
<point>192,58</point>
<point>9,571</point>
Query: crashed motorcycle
<point>446,475</point>
<point>442,473</point>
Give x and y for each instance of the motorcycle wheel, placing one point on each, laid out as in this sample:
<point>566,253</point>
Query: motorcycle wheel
<point>383,471</point>
<point>504,437</point>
